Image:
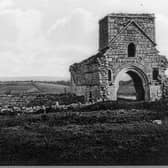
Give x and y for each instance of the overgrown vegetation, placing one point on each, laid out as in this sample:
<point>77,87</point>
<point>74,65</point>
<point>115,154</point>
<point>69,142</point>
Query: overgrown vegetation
<point>110,133</point>
<point>160,106</point>
<point>51,99</point>
<point>110,137</point>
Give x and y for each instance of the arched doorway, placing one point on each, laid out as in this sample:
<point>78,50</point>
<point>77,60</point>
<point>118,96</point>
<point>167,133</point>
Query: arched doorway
<point>139,79</point>
<point>130,87</point>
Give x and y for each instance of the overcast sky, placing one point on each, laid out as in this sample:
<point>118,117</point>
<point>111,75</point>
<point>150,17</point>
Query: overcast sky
<point>44,37</point>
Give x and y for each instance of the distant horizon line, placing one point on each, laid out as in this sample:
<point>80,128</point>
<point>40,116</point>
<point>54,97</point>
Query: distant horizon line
<point>29,78</point>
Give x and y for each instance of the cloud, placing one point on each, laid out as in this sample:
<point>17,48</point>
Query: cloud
<point>56,60</point>
<point>10,64</point>
<point>21,38</point>
<point>6,3</point>
<point>80,28</point>
<point>44,37</point>
<point>161,31</point>
<point>21,29</point>
<point>30,33</point>
<point>35,52</point>
<point>72,38</point>
<point>31,4</point>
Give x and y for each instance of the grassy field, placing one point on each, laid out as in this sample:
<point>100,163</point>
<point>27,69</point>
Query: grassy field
<point>107,133</point>
<point>104,137</point>
<point>126,88</point>
<point>51,88</point>
<point>20,87</point>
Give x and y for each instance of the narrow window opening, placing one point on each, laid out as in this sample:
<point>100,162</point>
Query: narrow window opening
<point>90,96</point>
<point>131,50</point>
<point>155,73</point>
<point>109,75</point>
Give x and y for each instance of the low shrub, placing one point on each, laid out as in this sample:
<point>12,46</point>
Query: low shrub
<point>44,117</point>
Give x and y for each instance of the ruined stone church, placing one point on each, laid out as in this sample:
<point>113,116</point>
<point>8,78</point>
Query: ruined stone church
<point>127,44</point>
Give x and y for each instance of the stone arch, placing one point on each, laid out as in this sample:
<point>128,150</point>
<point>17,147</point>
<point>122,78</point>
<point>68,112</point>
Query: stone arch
<point>140,79</point>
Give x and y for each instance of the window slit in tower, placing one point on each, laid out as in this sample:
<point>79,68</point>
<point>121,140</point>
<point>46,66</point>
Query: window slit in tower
<point>109,75</point>
<point>131,50</point>
<point>155,73</point>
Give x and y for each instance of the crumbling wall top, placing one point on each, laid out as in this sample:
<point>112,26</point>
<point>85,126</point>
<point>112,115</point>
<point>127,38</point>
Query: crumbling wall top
<point>131,15</point>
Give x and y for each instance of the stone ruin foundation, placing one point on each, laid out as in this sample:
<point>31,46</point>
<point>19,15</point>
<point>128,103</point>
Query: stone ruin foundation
<point>126,45</point>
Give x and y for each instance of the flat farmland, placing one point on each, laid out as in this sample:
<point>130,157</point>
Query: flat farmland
<point>20,87</point>
<point>51,88</point>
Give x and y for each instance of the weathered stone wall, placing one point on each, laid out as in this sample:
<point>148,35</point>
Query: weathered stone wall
<point>85,79</point>
<point>146,57</point>
<point>91,77</point>
<point>165,88</point>
<point>112,24</point>
<point>103,33</point>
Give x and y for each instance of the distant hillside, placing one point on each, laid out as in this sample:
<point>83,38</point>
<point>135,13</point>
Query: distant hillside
<point>20,87</point>
<point>129,82</point>
<point>61,82</point>
<point>126,88</point>
<point>53,87</point>
<point>34,78</point>
<point>44,87</point>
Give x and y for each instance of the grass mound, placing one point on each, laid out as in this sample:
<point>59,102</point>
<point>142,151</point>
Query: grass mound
<point>110,137</point>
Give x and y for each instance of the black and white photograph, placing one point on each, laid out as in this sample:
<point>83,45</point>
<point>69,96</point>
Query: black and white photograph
<point>83,82</point>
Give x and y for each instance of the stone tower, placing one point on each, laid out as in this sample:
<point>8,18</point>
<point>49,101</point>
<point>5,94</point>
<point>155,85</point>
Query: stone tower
<point>112,24</point>
<point>126,45</point>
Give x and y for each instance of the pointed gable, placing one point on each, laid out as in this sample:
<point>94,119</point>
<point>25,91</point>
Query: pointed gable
<point>126,27</point>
